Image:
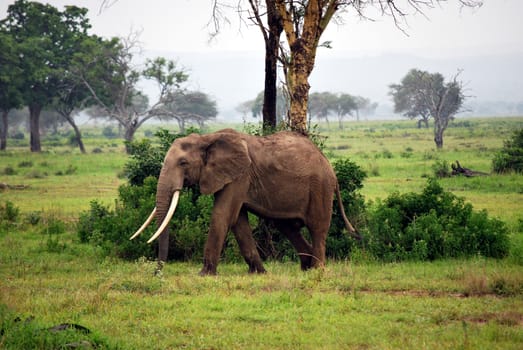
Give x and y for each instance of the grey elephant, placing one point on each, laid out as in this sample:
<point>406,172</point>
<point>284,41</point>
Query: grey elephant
<point>282,177</point>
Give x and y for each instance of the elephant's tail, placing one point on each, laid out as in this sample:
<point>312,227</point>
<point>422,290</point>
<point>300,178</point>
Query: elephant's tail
<point>352,231</point>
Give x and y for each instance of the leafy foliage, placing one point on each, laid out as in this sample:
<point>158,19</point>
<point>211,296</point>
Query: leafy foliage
<point>350,179</point>
<point>510,158</point>
<point>424,95</point>
<point>432,225</point>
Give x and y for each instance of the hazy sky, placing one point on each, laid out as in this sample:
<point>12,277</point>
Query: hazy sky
<point>366,57</point>
<point>181,25</point>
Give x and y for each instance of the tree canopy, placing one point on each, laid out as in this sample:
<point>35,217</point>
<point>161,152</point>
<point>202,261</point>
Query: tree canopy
<point>45,40</point>
<point>303,23</point>
<point>421,94</point>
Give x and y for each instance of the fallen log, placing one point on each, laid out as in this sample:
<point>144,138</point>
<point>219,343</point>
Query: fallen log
<point>457,169</point>
<point>4,186</point>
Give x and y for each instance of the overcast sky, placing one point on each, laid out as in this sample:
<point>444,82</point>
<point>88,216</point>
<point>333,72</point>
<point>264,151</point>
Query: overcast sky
<point>179,29</point>
<point>181,25</point>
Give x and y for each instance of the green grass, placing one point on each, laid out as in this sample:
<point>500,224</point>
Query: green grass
<point>353,304</point>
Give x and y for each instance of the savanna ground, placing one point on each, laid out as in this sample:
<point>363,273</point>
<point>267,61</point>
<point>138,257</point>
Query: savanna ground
<point>356,303</point>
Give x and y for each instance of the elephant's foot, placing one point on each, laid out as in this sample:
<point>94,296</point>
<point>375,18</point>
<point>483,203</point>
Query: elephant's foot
<point>208,269</point>
<point>257,268</point>
<point>306,261</point>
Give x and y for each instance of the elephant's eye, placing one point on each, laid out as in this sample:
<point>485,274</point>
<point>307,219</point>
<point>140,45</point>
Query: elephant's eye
<point>183,162</point>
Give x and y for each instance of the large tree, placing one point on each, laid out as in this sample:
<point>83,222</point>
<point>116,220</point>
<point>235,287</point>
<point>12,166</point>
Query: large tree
<point>10,82</point>
<point>304,22</point>
<point>271,31</point>
<point>112,77</point>
<point>45,38</point>
<point>427,94</point>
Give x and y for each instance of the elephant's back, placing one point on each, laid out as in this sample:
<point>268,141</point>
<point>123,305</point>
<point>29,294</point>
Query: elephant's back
<point>294,154</point>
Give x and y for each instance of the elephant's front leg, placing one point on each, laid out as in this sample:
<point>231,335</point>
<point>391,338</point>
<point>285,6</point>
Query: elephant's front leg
<point>243,233</point>
<point>225,211</point>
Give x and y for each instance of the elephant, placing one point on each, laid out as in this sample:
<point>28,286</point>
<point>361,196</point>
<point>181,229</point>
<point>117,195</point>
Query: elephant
<point>282,177</point>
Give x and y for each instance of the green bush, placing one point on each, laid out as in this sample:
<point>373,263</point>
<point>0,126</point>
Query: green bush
<point>510,158</point>
<point>432,225</point>
<point>9,212</point>
<point>441,169</point>
<point>350,179</point>
<point>9,215</point>
<point>110,229</point>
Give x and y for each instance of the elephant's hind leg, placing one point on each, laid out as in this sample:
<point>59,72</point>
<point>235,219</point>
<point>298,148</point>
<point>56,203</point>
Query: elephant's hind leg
<point>243,233</point>
<point>291,229</point>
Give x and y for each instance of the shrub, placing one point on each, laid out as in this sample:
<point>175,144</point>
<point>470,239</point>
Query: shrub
<point>441,169</point>
<point>8,170</point>
<point>350,179</point>
<point>432,225</point>
<point>110,229</point>
<point>510,158</point>
<point>9,214</point>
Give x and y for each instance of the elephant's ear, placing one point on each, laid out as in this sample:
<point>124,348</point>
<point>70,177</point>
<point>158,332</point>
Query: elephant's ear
<point>226,158</point>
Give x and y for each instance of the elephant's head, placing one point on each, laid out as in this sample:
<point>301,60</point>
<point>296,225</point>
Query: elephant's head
<point>210,161</point>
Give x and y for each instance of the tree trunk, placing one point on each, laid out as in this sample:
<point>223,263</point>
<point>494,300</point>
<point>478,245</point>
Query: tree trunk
<point>303,52</point>
<point>439,128</point>
<point>34,126</point>
<point>3,131</point>
<point>78,137</point>
<point>77,132</point>
<point>272,45</point>
<point>130,130</point>
<point>298,85</point>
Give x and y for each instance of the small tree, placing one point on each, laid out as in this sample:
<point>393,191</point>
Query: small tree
<point>187,106</point>
<point>423,94</point>
<point>510,157</point>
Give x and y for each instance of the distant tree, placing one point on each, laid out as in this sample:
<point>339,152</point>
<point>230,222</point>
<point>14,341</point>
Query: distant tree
<point>112,78</point>
<point>324,104</point>
<point>45,39</point>
<point>427,94</point>
<point>321,105</point>
<point>255,107</point>
<point>408,99</point>
<point>187,106</point>
<point>345,105</point>
<point>364,106</point>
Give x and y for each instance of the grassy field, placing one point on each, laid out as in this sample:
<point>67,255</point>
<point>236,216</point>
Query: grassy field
<point>352,304</point>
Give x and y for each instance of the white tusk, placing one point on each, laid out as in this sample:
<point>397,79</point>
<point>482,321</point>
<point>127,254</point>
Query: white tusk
<point>168,217</point>
<point>145,224</point>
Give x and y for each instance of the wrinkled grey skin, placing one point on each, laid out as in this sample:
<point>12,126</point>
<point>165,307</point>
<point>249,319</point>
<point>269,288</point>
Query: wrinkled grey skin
<point>283,177</point>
